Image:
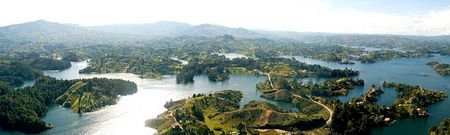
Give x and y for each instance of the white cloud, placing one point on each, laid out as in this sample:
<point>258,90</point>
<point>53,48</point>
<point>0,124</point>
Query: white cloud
<point>433,23</point>
<point>293,15</point>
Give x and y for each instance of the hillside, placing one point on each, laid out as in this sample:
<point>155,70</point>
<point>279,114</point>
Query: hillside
<point>44,31</point>
<point>175,29</point>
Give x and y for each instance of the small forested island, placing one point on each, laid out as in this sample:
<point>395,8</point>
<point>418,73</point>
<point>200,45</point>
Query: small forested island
<point>22,109</point>
<point>441,68</point>
<point>87,95</point>
<point>219,113</point>
<point>218,68</point>
<point>361,114</point>
<point>442,129</point>
<point>347,62</point>
<point>280,89</point>
<point>413,100</point>
<point>373,56</point>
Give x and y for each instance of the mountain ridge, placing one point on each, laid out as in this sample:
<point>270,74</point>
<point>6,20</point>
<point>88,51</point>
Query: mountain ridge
<point>45,31</point>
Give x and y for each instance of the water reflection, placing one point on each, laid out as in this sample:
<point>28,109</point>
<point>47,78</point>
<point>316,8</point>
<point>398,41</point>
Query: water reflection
<point>130,113</point>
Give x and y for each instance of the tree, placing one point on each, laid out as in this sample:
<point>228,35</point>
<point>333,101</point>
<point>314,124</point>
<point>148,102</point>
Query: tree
<point>197,112</point>
<point>241,127</point>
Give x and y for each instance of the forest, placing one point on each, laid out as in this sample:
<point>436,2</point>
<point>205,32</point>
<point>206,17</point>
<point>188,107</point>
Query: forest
<point>442,129</point>
<point>153,58</point>
<point>332,87</point>
<point>441,68</point>
<point>219,113</point>
<point>15,73</point>
<point>22,109</point>
<point>357,116</point>
<point>25,55</point>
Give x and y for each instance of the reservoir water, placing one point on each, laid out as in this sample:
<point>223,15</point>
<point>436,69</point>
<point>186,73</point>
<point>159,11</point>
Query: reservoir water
<point>129,114</point>
<point>404,70</point>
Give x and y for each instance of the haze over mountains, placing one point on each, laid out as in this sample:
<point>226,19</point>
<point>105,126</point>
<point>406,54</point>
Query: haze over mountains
<point>44,31</point>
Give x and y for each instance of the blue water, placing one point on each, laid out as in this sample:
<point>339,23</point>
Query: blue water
<point>404,70</point>
<point>129,115</point>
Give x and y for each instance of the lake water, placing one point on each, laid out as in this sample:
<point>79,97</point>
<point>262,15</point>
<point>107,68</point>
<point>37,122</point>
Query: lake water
<point>404,70</point>
<point>129,114</point>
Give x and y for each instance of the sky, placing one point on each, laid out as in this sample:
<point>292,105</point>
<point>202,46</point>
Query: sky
<point>407,17</point>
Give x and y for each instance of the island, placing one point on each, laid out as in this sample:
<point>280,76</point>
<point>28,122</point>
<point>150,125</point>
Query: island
<point>219,113</point>
<point>442,129</point>
<point>380,55</point>
<point>28,49</point>
<point>22,109</point>
<point>218,68</point>
<point>413,100</point>
<point>361,114</point>
<point>87,95</point>
<point>280,89</point>
<point>441,68</point>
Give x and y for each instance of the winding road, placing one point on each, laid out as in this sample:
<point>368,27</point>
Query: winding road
<point>309,98</point>
<point>175,119</point>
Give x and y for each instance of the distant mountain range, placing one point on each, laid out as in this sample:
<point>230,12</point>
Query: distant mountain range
<point>44,31</point>
<point>175,29</point>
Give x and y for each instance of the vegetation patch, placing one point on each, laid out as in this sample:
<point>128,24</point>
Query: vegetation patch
<point>360,115</point>
<point>442,129</point>
<point>22,109</point>
<point>219,113</point>
<point>441,68</point>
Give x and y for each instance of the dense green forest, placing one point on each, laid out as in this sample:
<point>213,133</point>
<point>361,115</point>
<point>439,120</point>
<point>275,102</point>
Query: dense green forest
<point>218,68</point>
<point>151,62</point>
<point>441,68</point>
<point>22,109</point>
<point>14,73</point>
<point>333,87</point>
<point>30,48</point>
<point>87,95</point>
<point>360,114</point>
<point>219,113</point>
<point>442,129</point>
<point>153,58</point>
<point>47,64</point>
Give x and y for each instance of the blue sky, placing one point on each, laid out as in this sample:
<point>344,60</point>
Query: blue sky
<point>407,17</point>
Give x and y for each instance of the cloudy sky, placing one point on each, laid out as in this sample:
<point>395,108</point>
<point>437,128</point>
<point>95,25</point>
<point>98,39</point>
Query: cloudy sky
<point>410,17</point>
